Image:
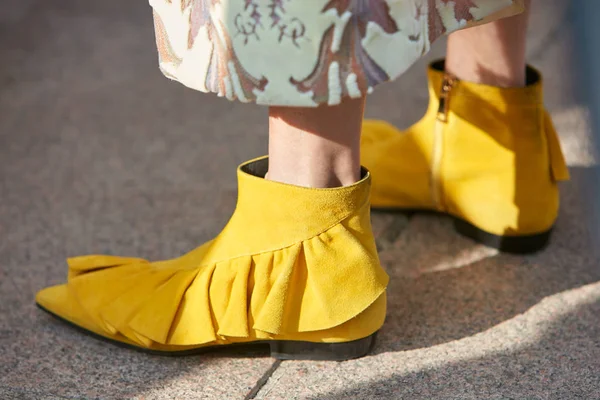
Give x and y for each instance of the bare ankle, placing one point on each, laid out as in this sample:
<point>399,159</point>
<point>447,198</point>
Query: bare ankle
<point>491,54</point>
<point>499,76</point>
<point>314,173</point>
<point>316,147</point>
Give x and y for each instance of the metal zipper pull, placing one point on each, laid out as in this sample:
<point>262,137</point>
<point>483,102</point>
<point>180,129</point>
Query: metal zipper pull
<point>447,85</point>
<point>438,142</point>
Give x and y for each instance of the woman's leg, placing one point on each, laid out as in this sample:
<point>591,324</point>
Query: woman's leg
<point>492,54</point>
<point>316,147</point>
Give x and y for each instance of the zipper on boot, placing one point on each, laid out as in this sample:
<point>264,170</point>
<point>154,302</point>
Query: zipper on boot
<point>438,141</point>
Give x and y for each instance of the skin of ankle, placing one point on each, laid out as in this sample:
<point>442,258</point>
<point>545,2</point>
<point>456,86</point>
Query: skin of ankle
<point>491,54</point>
<point>316,147</point>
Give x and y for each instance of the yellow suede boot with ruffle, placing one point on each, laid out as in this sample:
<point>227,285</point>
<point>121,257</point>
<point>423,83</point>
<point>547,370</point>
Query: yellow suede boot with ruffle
<point>488,156</point>
<point>295,268</point>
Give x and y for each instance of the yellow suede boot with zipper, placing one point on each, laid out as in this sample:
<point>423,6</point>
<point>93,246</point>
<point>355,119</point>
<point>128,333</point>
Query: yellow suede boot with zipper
<point>295,268</point>
<point>488,156</point>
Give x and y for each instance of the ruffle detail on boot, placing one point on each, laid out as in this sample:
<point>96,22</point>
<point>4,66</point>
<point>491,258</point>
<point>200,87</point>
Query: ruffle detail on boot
<point>310,286</point>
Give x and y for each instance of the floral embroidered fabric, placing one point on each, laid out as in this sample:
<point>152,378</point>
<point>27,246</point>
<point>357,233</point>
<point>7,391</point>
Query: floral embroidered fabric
<point>302,52</point>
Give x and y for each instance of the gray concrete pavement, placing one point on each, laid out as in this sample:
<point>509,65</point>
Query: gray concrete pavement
<point>100,154</point>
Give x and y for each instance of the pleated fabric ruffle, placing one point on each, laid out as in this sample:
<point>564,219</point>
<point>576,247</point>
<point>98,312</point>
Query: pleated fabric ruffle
<point>304,52</point>
<point>294,269</point>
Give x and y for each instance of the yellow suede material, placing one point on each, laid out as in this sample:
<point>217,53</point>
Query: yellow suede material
<point>293,263</point>
<point>495,161</point>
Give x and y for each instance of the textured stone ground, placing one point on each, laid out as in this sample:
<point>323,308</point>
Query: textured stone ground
<point>99,153</point>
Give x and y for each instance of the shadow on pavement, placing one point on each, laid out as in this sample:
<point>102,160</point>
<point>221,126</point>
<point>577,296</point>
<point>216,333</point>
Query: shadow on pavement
<point>427,308</point>
<point>551,367</point>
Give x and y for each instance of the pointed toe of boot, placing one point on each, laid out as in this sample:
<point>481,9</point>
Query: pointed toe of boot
<point>394,159</point>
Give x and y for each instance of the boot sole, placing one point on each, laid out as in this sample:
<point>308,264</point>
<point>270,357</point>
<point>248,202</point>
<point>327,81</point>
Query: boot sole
<point>521,244</point>
<point>279,349</point>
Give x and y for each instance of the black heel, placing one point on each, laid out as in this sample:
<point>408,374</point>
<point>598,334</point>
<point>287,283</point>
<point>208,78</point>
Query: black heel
<point>296,350</point>
<point>526,244</point>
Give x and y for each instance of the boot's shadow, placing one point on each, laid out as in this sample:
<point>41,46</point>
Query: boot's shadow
<point>445,287</point>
